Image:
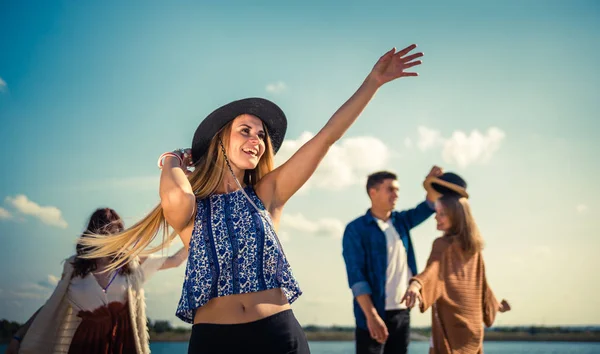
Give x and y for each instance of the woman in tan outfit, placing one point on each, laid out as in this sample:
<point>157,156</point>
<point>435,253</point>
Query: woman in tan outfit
<point>454,283</point>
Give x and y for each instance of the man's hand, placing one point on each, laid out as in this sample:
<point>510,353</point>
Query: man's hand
<point>436,171</point>
<point>433,195</point>
<point>377,328</point>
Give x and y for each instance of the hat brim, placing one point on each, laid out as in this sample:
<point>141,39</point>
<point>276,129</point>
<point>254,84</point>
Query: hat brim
<point>268,112</point>
<point>437,187</point>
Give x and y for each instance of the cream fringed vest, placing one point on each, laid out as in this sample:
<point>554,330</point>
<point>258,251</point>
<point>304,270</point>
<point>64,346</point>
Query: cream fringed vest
<point>55,324</point>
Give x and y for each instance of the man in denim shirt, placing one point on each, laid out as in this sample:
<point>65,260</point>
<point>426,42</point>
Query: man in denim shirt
<point>380,260</point>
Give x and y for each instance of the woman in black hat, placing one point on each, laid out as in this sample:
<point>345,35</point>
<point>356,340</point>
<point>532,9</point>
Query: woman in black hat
<point>454,282</point>
<point>239,285</point>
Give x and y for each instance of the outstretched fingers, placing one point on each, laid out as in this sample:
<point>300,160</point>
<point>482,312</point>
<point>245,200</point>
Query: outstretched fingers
<point>409,74</point>
<point>410,57</point>
<point>406,50</point>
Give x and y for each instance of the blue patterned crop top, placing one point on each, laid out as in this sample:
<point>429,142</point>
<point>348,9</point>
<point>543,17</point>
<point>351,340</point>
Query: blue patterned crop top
<point>233,250</point>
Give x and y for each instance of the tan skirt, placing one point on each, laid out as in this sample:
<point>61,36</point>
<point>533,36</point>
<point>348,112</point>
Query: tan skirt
<point>106,330</point>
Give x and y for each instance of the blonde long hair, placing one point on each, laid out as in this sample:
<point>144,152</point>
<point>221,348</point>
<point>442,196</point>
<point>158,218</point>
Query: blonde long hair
<point>205,180</point>
<point>463,226</point>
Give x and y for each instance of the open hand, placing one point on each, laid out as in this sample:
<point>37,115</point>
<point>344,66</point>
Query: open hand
<point>393,65</point>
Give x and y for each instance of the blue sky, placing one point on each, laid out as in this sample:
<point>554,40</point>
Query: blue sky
<point>92,94</point>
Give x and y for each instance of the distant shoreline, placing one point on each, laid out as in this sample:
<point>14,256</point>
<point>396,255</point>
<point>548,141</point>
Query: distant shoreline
<point>162,331</point>
<point>341,336</point>
<point>345,336</point>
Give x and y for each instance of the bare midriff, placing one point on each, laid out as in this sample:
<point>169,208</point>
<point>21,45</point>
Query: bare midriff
<point>242,308</point>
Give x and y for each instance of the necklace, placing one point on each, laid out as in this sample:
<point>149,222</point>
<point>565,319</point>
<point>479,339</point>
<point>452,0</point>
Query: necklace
<point>105,289</point>
<point>110,282</point>
<point>263,213</point>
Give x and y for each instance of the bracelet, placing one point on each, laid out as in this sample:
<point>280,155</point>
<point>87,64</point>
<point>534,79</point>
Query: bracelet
<point>17,338</point>
<point>160,159</point>
<point>416,284</point>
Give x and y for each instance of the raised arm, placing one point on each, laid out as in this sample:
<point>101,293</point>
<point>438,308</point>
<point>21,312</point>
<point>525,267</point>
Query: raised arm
<point>176,195</point>
<point>153,263</point>
<point>169,262</point>
<point>278,186</point>
<point>415,216</point>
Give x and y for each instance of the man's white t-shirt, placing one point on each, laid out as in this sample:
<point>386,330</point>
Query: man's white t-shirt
<point>398,273</point>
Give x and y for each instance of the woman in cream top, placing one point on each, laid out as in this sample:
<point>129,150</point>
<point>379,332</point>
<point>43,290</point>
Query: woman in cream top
<point>91,310</point>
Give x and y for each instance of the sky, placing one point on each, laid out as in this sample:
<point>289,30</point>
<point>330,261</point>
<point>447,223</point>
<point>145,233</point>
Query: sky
<point>507,96</point>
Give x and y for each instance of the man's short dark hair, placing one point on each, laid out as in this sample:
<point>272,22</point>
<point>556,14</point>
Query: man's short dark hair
<point>377,178</point>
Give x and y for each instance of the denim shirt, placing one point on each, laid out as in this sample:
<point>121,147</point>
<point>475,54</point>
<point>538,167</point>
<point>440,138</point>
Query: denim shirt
<point>365,254</point>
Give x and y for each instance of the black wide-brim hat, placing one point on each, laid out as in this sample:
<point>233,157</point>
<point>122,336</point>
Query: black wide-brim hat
<point>268,112</point>
<point>447,184</point>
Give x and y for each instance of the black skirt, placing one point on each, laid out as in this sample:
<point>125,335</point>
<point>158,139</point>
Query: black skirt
<point>277,334</point>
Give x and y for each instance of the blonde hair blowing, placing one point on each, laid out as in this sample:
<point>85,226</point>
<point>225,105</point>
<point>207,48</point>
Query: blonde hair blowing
<point>205,180</point>
<point>463,225</point>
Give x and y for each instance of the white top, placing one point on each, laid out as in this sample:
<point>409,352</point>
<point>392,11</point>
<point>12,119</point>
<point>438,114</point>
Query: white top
<point>397,273</point>
<point>86,294</point>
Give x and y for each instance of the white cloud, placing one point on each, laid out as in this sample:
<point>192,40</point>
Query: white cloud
<point>49,215</point>
<point>475,148</point>
<point>53,279</point>
<point>3,85</point>
<point>298,223</point>
<point>276,87</point>
<point>428,138</point>
<point>461,148</point>
<point>408,143</point>
<point>582,208</point>
<point>49,283</point>
<point>5,214</point>
<point>347,162</point>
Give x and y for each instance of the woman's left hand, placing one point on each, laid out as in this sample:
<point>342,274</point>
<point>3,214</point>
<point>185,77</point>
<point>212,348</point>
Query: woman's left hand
<point>186,157</point>
<point>412,294</point>
<point>393,65</point>
<point>504,306</point>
